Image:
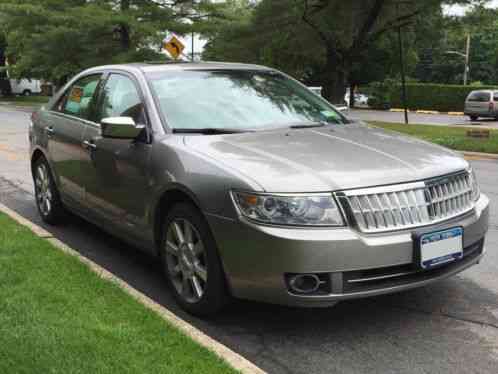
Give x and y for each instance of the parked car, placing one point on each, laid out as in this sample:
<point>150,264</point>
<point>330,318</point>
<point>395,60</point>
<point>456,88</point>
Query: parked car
<point>482,103</point>
<point>246,184</point>
<point>25,87</point>
<point>360,100</point>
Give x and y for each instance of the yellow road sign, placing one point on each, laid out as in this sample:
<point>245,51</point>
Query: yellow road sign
<point>174,46</point>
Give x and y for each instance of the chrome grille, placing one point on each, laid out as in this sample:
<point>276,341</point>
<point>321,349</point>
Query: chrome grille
<point>409,205</point>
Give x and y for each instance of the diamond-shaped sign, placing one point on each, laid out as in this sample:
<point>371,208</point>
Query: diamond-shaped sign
<point>174,46</point>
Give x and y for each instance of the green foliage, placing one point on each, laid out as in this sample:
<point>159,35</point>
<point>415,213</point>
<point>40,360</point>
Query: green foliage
<point>440,97</point>
<point>324,42</point>
<point>54,39</point>
<point>380,94</point>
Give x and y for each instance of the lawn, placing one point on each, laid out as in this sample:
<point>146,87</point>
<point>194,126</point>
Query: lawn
<point>25,100</point>
<point>451,137</point>
<point>57,316</point>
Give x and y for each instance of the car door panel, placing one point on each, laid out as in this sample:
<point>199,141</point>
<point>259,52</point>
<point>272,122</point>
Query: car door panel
<point>64,128</point>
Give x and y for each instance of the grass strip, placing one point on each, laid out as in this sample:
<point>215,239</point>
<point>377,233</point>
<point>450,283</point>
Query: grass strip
<point>57,316</point>
<point>452,137</point>
<point>25,100</point>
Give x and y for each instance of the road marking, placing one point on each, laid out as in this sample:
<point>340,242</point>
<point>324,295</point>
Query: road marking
<point>232,358</point>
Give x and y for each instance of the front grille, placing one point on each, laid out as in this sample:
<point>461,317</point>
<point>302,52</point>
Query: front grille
<point>410,205</point>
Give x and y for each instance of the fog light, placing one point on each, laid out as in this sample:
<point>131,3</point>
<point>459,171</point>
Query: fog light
<point>304,283</point>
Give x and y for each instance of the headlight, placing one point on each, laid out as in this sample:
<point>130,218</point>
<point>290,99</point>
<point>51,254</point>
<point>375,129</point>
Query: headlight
<point>309,210</point>
<point>476,192</point>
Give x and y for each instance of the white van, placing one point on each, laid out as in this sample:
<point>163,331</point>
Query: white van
<point>25,87</point>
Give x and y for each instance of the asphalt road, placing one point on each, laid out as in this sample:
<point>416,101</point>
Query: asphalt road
<point>449,327</point>
<point>420,119</point>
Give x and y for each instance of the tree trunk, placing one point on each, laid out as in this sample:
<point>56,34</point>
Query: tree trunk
<point>124,28</point>
<point>352,100</point>
<point>334,82</point>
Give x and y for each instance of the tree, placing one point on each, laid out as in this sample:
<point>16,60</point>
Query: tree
<point>54,39</point>
<point>333,38</point>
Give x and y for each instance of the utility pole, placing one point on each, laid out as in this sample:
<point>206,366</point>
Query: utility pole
<point>467,58</point>
<point>193,34</point>
<point>402,67</point>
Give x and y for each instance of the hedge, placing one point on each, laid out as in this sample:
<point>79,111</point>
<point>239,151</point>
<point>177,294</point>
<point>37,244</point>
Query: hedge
<point>440,97</point>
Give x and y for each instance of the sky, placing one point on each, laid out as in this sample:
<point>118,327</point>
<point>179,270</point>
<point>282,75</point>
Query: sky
<point>460,10</point>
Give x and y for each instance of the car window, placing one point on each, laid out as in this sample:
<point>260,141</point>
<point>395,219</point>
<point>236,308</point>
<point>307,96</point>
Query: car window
<point>480,96</point>
<point>120,98</point>
<point>79,98</point>
<point>495,96</point>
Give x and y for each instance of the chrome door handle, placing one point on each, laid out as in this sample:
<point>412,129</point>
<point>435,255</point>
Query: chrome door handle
<point>89,145</point>
<point>49,130</point>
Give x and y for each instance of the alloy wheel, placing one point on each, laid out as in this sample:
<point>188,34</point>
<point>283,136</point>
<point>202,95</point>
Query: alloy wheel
<point>43,190</point>
<point>186,260</point>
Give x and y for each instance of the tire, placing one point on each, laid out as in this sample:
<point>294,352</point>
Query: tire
<point>473,118</point>
<point>47,196</point>
<point>191,263</point>
<point>26,93</point>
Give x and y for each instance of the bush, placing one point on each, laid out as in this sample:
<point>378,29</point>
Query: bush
<point>440,97</point>
<point>380,94</point>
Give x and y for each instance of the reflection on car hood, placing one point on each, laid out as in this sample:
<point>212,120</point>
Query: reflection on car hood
<point>328,158</point>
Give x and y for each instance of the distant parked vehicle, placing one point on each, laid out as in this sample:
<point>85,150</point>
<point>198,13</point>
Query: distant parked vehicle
<point>360,100</point>
<point>482,103</point>
<point>25,87</point>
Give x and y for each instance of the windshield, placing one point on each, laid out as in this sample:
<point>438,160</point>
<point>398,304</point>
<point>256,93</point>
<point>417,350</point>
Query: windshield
<point>238,100</point>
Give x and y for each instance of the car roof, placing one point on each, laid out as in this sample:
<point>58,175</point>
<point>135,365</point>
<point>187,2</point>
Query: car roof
<point>159,66</point>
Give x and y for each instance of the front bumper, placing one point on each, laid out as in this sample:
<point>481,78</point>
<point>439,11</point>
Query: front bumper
<point>257,258</point>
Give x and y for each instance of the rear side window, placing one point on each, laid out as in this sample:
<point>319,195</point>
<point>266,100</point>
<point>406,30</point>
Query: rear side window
<point>480,97</point>
<point>79,100</point>
<point>495,96</point>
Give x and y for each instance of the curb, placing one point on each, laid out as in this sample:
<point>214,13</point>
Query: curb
<point>479,155</point>
<point>233,359</point>
<point>397,110</point>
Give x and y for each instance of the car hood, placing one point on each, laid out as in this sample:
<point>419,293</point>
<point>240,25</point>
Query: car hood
<point>327,158</point>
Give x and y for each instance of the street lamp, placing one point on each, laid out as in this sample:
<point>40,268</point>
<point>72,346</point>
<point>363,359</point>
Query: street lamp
<point>466,56</point>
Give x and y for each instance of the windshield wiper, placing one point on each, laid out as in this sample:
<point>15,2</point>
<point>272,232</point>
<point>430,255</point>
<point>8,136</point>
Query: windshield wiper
<point>209,131</point>
<point>308,125</point>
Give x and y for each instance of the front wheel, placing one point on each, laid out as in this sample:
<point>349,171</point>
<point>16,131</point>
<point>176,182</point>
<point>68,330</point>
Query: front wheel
<point>47,196</point>
<point>191,263</point>
<point>473,118</point>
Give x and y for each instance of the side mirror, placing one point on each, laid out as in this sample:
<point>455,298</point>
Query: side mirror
<point>120,128</point>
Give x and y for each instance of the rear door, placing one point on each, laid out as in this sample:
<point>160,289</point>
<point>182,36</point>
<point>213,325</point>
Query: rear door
<point>65,125</point>
<point>479,102</point>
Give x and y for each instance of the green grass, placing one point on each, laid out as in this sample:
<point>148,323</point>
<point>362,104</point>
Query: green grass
<point>57,316</point>
<point>25,100</point>
<point>451,137</point>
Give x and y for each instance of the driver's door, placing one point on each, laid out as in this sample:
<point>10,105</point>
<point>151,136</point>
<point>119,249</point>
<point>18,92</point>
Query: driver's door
<point>119,180</point>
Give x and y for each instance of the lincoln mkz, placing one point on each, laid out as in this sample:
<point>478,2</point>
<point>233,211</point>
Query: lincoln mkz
<point>245,183</point>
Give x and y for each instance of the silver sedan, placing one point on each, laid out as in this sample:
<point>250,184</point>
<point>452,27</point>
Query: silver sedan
<point>244,183</point>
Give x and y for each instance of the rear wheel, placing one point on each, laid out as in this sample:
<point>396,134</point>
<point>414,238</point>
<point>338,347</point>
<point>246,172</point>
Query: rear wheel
<point>47,196</point>
<point>473,118</point>
<point>26,93</point>
<point>191,263</point>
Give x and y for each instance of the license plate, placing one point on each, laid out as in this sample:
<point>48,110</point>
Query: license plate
<point>440,248</point>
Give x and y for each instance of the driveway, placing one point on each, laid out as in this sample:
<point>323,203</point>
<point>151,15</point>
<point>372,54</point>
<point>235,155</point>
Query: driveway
<point>449,327</point>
